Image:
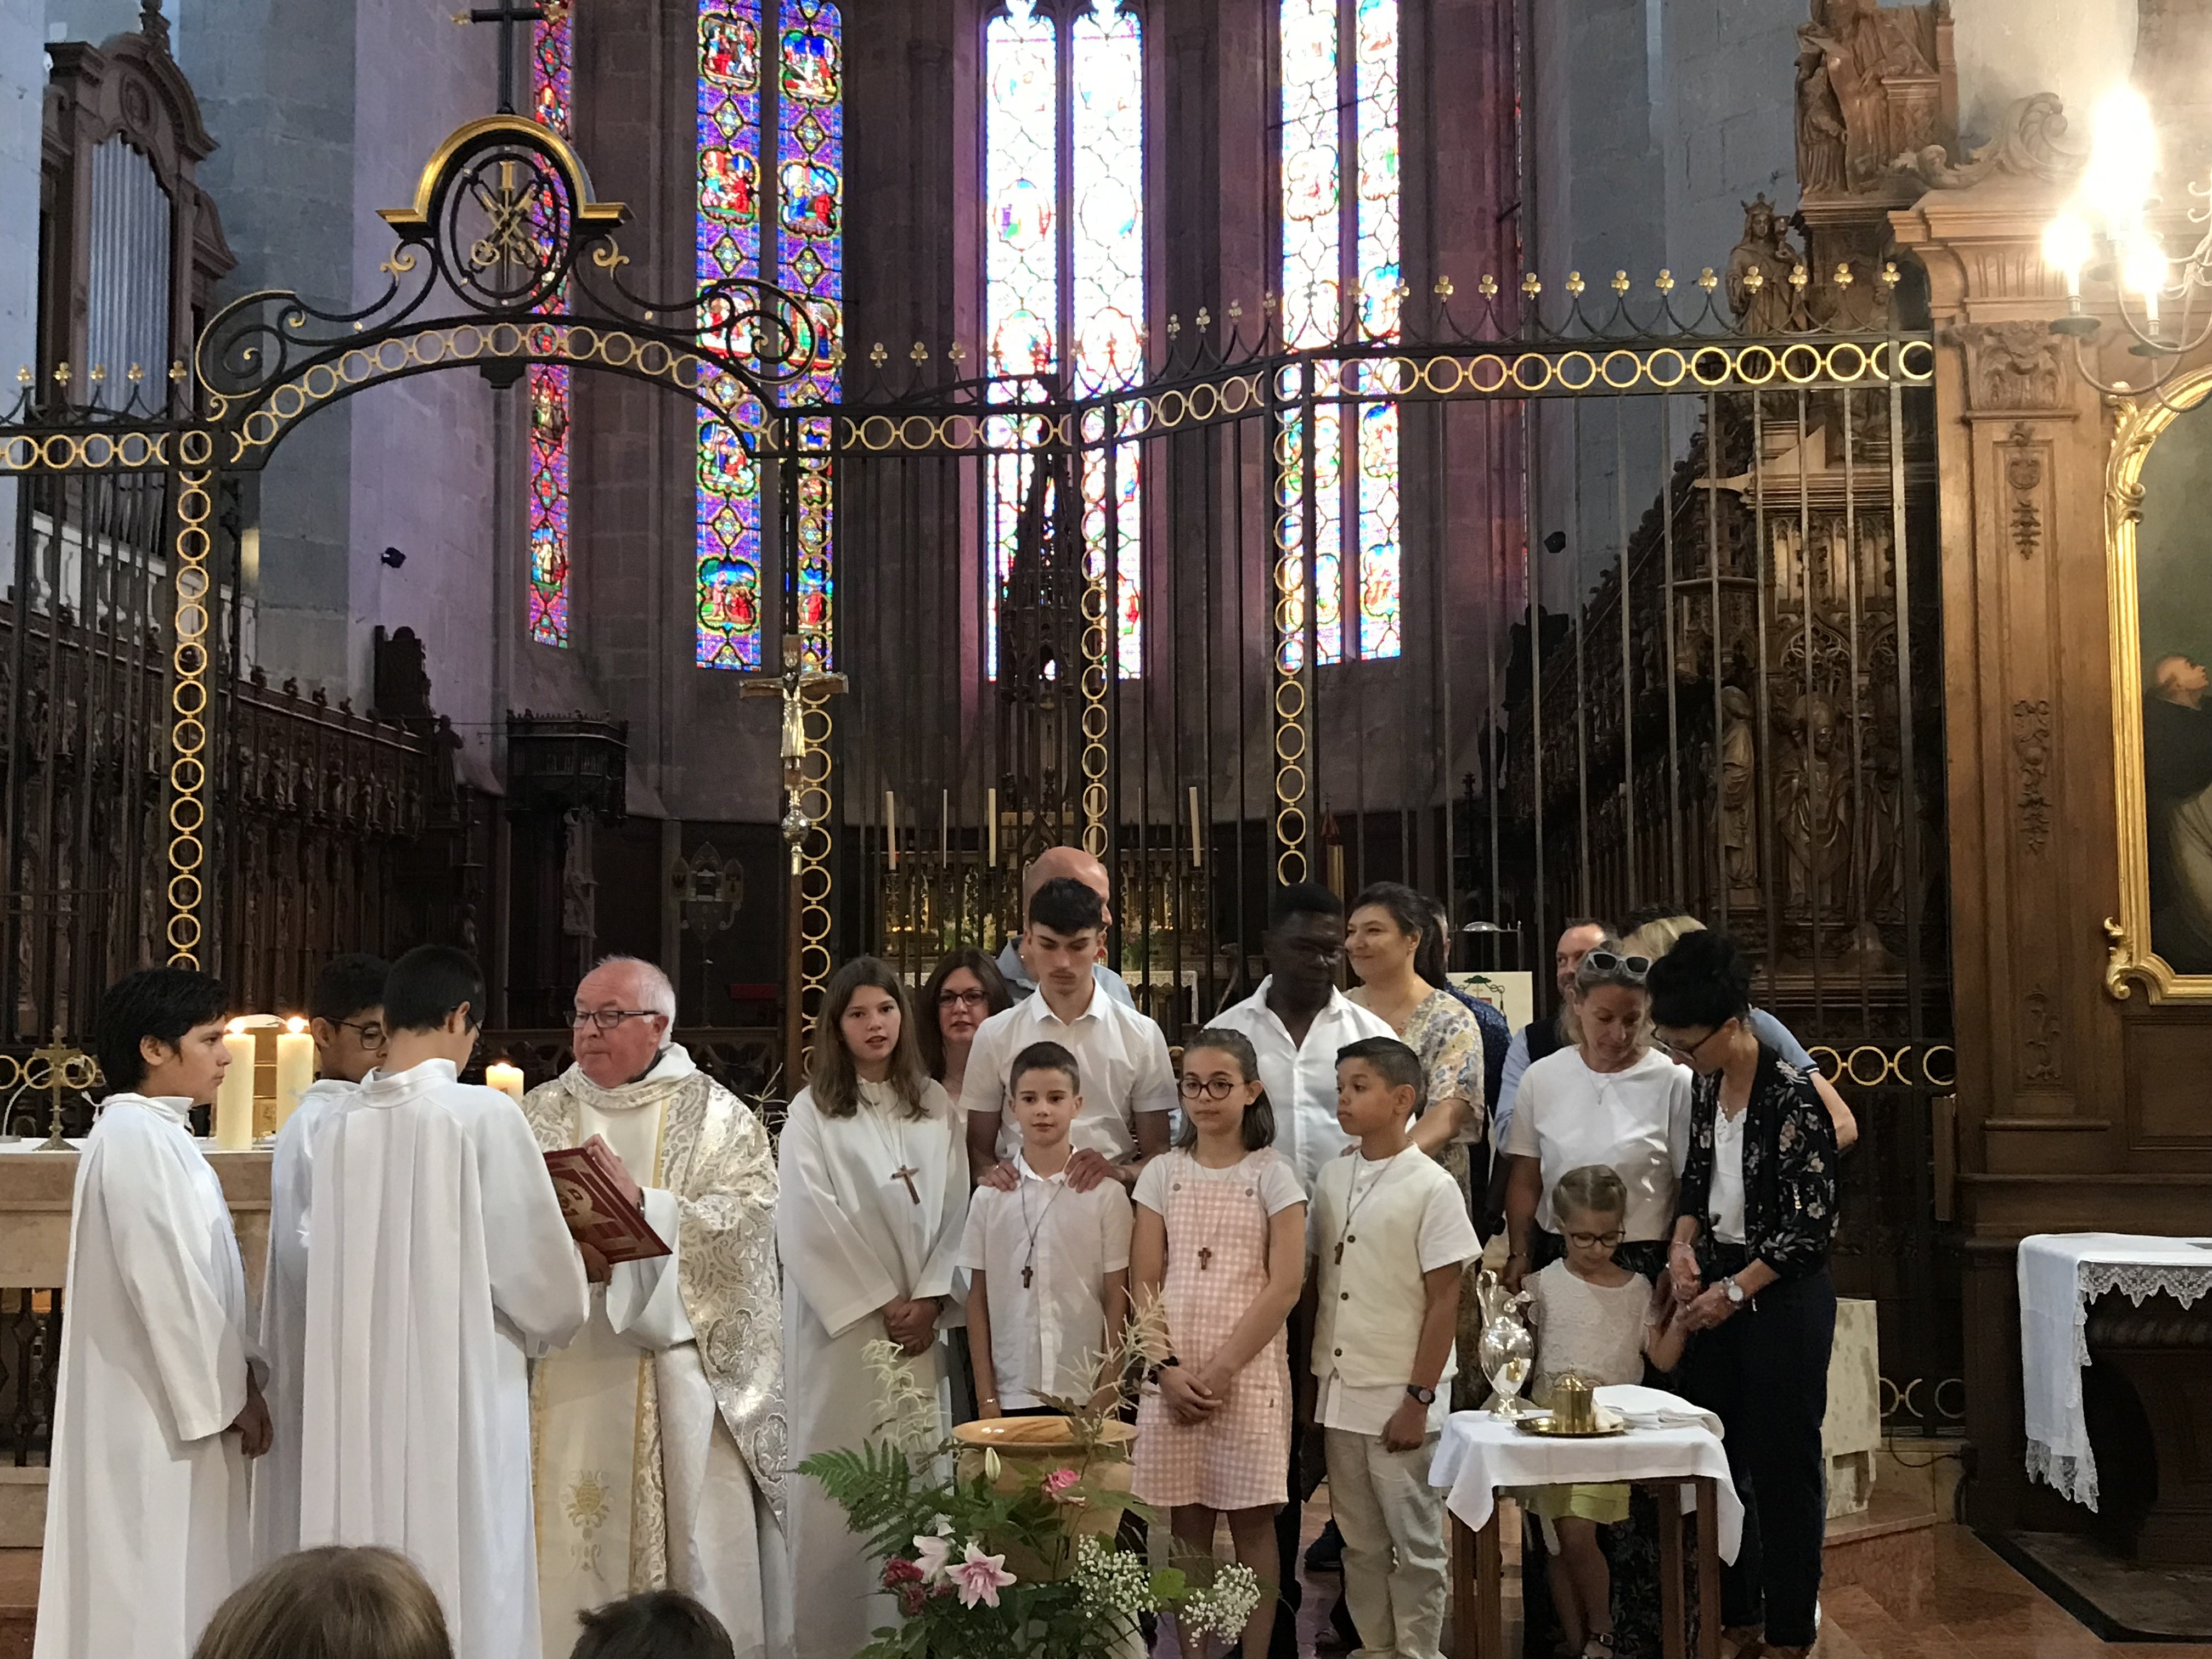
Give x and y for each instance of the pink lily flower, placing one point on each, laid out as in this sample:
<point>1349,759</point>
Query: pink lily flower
<point>981,1578</point>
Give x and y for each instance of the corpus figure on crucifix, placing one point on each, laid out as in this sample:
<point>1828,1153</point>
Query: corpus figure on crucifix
<point>872,1191</point>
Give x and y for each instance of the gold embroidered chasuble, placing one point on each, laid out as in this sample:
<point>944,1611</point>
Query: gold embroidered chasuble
<point>708,1153</point>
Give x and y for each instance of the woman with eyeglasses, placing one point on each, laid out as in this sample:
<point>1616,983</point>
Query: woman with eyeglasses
<point>1609,1100</point>
<point>966,989</point>
<point>1749,1266</point>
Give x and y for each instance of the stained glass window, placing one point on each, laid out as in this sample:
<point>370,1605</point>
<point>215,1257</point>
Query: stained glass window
<point>1064,291</point>
<point>1341,279</point>
<point>551,103</point>
<point>771,202</point>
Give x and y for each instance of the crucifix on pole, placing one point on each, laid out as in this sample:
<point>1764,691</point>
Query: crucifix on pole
<point>797,690</point>
<point>506,15</point>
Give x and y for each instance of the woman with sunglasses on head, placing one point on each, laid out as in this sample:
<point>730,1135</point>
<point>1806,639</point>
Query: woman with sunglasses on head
<point>1610,1099</point>
<point>966,989</point>
<point>1749,1265</point>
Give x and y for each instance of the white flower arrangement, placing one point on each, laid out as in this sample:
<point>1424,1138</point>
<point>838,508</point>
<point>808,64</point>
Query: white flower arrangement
<point>1224,1606</point>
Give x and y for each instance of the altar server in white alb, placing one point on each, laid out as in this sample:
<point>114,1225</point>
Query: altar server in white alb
<point>159,1404</point>
<point>345,1015</point>
<point>660,1433</point>
<point>438,1264</point>
<point>873,1178</point>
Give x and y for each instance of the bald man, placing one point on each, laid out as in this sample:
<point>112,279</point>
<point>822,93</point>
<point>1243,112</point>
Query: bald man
<point>1056,863</point>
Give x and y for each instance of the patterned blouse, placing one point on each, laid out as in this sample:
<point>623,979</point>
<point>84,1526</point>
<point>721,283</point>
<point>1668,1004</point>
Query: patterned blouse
<point>1788,1168</point>
<point>1444,1035</point>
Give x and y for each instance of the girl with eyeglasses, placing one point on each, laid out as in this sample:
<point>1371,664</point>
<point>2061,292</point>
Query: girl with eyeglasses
<point>1220,1238</point>
<point>1599,1320</point>
<point>966,989</point>
<point>1749,1265</point>
<point>1610,1099</point>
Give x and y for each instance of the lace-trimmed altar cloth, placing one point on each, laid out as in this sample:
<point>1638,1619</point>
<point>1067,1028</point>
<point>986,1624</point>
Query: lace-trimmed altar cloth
<point>2060,1276</point>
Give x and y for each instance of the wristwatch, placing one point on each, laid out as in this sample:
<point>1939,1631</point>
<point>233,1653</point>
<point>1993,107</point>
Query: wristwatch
<point>1152,1372</point>
<point>1736,1294</point>
<point>1427,1396</point>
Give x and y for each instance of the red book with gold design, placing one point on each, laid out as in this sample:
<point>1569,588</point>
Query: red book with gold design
<point>592,1204</point>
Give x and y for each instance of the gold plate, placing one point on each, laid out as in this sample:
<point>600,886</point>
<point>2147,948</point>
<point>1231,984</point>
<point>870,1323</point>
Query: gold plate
<point>1543,1425</point>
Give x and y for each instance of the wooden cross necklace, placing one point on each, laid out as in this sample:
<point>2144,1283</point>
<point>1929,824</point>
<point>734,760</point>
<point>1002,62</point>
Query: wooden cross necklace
<point>1358,1199</point>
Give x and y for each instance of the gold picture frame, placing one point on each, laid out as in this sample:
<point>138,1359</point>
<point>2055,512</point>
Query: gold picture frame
<point>2133,959</point>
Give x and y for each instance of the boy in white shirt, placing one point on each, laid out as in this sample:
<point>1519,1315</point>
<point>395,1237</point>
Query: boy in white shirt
<point>1390,1238</point>
<point>1047,1263</point>
<point>1125,1117</point>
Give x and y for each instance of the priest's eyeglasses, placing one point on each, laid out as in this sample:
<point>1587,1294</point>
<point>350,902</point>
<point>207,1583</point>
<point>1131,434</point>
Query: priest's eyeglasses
<point>606,1018</point>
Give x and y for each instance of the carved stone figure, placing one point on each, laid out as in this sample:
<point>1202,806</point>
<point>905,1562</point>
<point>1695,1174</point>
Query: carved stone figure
<point>579,887</point>
<point>1812,797</point>
<point>1765,303</point>
<point>1739,797</point>
<point>1846,119</point>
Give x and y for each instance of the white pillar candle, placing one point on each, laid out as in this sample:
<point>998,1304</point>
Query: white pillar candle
<point>295,1067</point>
<point>507,1078</point>
<point>233,1099</point>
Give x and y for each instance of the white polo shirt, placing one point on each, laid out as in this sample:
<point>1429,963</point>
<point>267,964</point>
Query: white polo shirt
<point>1301,1077</point>
<point>1047,1333</point>
<point>1120,1055</point>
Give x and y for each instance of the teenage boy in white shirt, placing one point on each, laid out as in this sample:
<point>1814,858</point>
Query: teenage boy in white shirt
<point>1049,1266</point>
<point>1391,1225</point>
<point>1130,1089</point>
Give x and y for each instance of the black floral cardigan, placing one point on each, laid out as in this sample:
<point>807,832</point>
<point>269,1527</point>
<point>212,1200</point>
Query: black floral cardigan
<point>1788,1168</point>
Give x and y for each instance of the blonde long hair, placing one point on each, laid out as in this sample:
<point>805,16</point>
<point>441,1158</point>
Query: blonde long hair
<point>335,1602</point>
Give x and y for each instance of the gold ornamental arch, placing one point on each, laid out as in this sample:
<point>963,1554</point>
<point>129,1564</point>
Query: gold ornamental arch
<point>505,259</point>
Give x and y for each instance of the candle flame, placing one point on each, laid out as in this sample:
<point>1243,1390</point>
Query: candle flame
<point>237,1027</point>
<point>295,1025</point>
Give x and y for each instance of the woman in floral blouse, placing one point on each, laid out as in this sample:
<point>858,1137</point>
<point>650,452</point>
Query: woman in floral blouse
<point>1749,1263</point>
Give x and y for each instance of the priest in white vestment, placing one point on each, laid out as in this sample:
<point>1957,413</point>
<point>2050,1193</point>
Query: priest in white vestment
<point>660,1436</point>
<point>438,1264</point>
<point>345,1016</point>
<point>158,1405</point>
<point>873,1202</point>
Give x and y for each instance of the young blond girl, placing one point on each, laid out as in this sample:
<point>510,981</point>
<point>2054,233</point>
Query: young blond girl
<point>1600,1322</point>
<point>1220,1237</point>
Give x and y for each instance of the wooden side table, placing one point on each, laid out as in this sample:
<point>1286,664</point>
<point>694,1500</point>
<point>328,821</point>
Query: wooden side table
<point>1478,1609</point>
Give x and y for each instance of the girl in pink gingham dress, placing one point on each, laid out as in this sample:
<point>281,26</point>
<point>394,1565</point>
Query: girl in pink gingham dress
<point>1220,1236</point>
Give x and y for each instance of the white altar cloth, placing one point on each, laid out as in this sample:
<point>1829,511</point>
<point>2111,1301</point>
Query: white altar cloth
<point>1480,1453</point>
<point>2060,1276</point>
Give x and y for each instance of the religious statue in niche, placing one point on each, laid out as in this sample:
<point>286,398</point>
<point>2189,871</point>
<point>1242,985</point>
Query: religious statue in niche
<point>1758,288</point>
<point>1812,800</point>
<point>1739,797</point>
<point>1866,91</point>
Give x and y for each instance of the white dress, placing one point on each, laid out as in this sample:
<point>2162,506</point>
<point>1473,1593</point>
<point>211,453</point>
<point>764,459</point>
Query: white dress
<point>146,1529</point>
<point>1595,1331</point>
<point>852,1238</point>
<point>437,1262</point>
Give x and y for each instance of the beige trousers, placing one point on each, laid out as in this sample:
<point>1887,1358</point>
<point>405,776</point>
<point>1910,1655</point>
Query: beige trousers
<point>1396,1580</point>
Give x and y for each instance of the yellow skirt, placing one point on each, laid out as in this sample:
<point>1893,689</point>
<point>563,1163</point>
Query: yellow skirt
<point>1605,1502</point>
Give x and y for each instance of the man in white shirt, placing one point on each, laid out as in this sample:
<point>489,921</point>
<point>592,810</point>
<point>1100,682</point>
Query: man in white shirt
<point>1128,1086</point>
<point>1068,864</point>
<point>1297,1020</point>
